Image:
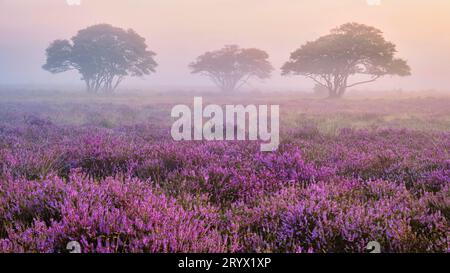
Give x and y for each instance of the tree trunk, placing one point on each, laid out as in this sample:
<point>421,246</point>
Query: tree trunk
<point>88,86</point>
<point>336,93</point>
<point>332,93</point>
<point>226,89</point>
<point>341,91</point>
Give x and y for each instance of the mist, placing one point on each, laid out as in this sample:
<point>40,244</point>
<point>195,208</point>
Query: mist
<point>180,30</point>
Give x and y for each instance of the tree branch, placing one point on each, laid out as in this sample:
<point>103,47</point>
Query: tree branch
<point>363,82</point>
<point>317,81</point>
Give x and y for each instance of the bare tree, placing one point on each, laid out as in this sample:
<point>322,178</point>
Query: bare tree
<point>351,49</point>
<point>231,67</point>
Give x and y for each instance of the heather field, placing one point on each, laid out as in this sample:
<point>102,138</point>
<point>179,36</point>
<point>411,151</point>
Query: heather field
<point>104,171</point>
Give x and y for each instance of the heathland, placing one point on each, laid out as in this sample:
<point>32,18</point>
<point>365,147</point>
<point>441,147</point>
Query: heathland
<point>104,171</point>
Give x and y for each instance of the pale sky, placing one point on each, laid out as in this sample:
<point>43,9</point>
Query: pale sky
<point>180,30</point>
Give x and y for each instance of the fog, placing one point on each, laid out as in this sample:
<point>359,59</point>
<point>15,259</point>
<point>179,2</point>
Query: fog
<point>180,30</point>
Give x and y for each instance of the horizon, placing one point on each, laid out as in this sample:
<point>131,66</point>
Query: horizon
<point>208,25</point>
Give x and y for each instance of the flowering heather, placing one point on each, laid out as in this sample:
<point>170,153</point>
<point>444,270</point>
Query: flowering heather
<point>124,215</point>
<point>109,177</point>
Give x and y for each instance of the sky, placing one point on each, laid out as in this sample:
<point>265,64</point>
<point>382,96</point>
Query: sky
<point>180,30</point>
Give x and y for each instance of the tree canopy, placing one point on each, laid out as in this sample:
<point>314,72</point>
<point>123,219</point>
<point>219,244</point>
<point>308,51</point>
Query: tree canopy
<point>104,55</point>
<point>231,67</point>
<point>351,49</point>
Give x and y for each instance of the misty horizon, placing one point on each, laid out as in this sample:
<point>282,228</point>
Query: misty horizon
<point>179,31</point>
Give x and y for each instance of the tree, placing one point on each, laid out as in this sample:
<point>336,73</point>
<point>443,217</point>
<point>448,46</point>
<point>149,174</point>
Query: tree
<point>231,67</point>
<point>351,49</point>
<point>320,90</point>
<point>104,55</point>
